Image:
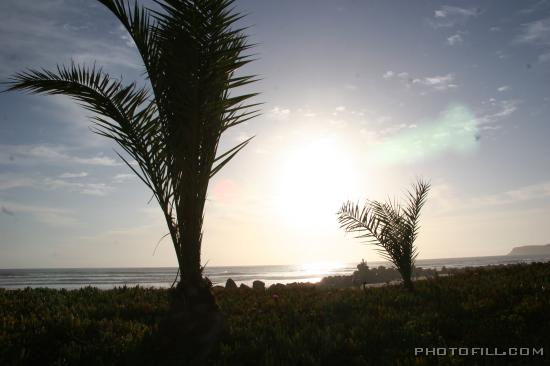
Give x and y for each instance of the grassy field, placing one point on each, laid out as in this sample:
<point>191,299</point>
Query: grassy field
<point>293,325</point>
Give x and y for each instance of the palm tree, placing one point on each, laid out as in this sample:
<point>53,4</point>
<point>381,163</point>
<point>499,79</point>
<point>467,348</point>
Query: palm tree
<point>389,226</point>
<point>191,50</point>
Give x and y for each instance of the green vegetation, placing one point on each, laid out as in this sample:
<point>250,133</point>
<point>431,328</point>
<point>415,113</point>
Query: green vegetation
<point>379,275</point>
<point>505,306</point>
<point>389,226</point>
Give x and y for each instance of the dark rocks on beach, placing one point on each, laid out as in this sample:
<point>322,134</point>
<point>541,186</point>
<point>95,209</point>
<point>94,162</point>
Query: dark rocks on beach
<point>258,285</point>
<point>230,284</point>
<point>244,287</point>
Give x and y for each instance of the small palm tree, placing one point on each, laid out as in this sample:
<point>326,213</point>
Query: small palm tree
<point>190,50</point>
<point>389,226</point>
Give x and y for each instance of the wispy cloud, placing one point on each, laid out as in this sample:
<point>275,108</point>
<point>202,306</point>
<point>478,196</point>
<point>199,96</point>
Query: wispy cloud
<point>533,8</point>
<point>92,189</point>
<point>436,82</point>
<point>449,16</point>
<point>537,34</point>
<point>51,216</point>
<point>73,175</point>
<point>10,181</point>
<point>445,199</point>
<point>503,88</point>
<point>121,178</point>
<point>31,154</point>
<point>496,110</point>
<point>521,194</point>
<point>69,182</point>
<point>34,38</point>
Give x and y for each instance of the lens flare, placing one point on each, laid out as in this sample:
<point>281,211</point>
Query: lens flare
<point>454,131</point>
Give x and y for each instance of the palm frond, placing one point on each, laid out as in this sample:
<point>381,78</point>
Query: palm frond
<point>192,50</point>
<point>389,226</point>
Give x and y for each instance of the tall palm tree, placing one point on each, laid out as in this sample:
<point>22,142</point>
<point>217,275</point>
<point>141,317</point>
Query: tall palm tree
<point>389,226</point>
<point>191,50</point>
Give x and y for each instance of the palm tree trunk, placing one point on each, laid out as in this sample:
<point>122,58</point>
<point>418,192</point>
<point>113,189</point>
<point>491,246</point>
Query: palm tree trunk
<point>408,284</point>
<point>406,274</point>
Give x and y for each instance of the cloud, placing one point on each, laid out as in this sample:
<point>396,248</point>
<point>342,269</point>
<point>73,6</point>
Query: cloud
<point>9,181</point>
<point>121,178</point>
<point>455,40</point>
<point>340,108</point>
<point>56,217</point>
<point>525,193</point>
<point>450,16</point>
<point>73,175</point>
<point>32,154</point>
<point>388,74</point>
<point>537,33</point>
<point>395,128</point>
<point>497,110</point>
<point>92,189</point>
<point>447,11</point>
<point>446,200</point>
<point>535,7</point>
<point>436,82</point>
<point>503,88</point>
<point>279,114</point>
<point>31,39</point>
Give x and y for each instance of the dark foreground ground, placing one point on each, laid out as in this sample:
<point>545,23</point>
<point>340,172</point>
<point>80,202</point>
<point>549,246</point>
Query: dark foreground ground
<point>507,308</point>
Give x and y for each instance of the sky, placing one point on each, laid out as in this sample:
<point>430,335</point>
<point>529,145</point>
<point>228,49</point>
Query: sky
<point>360,99</point>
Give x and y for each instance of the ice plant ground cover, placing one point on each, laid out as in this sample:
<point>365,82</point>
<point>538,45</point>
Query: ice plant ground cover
<point>504,306</point>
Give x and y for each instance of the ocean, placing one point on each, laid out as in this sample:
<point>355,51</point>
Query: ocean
<point>105,278</point>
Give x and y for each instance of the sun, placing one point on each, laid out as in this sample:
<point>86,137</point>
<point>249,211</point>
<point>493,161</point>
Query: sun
<point>314,179</point>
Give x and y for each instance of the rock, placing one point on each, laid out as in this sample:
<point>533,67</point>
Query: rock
<point>230,284</point>
<point>277,287</point>
<point>258,285</point>
<point>244,287</point>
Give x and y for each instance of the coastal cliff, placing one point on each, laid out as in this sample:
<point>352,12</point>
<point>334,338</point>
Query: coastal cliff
<point>531,250</point>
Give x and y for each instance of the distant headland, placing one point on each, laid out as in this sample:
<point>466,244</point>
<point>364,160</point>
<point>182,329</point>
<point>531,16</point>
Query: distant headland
<point>531,250</point>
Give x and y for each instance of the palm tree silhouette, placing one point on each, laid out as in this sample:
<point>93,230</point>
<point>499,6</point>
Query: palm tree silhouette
<point>190,50</point>
<point>390,227</point>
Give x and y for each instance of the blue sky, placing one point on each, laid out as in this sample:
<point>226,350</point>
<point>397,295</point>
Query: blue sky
<point>360,98</point>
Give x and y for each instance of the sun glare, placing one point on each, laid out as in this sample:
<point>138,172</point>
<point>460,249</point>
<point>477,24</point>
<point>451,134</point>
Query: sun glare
<point>321,268</point>
<point>315,179</point>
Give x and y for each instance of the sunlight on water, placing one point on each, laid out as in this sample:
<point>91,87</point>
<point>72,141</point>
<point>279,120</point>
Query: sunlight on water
<point>315,268</point>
